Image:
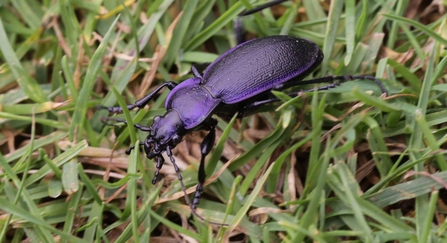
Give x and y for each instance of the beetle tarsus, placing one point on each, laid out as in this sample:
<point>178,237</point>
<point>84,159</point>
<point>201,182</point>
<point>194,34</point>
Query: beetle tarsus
<point>130,149</point>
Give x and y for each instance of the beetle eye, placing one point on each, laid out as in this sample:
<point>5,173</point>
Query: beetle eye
<point>176,139</point>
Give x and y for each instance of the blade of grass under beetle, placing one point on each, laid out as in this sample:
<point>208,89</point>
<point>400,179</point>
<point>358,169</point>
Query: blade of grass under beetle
<point>378,147</point>
<point>331,31</point>
<point>252,153</point>
<point>207,33</point>
<point>350,28</point>
<point>425,236</point>
<point>345,186</point>
<point>61,159</point>
<point>249,200</point>
<point>416,141</point>
<point>80,112</point>
<point>39,143</point>
<point>315,188</point>
<point>131,201</point>
<point>374,101</point>
<point>27,83</point>
<point>20,212</point>
<point>426,30</point>
<point>180,32</point>
<point>42,121</point>
<point>145,212</point>
<point>430,140</point>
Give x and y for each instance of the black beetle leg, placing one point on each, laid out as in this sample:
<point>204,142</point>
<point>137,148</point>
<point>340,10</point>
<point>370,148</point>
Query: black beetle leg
<point>141,102</point>
<point>160,162</point>
<point>207,145</point>
<point>132,148</point>
<point>237,25</point>
<point>198,69</point>
<point>138,126</point>
<point>335,80</point>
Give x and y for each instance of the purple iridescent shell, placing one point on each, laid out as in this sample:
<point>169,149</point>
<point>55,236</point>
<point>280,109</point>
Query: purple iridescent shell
<point>258,65</point>
<point>242,72</point>
<point>192,101</point>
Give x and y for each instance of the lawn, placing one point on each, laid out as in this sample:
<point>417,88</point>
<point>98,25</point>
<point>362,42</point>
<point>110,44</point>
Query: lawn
<point>347,164</point>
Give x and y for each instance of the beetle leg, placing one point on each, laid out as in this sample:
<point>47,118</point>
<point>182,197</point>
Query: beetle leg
<point>132,148</point>
<point>177,170</point>
<point>207,145</point>
<point>336,80</point>
<point>198,69</point>
<point>141,102</point>
<point>160,162</point>
<point>138,126</point>
<point>237,25</point>
<point>261,7</point>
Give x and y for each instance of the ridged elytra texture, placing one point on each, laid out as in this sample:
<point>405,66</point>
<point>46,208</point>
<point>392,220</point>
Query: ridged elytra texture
<point>258,65</point>
<point>242,72</point>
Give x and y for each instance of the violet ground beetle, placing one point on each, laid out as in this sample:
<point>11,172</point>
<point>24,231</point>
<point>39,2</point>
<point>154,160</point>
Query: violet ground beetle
<point>239,81</point>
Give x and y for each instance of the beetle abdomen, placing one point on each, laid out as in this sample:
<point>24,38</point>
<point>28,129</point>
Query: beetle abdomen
<point>258,65</point>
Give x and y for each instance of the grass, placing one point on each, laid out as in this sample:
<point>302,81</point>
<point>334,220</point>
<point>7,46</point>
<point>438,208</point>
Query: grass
<point>330,166</point>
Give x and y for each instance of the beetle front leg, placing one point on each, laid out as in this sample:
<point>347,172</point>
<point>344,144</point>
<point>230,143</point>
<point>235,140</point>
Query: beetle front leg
<point>206,146</point>
<point>141,102</point>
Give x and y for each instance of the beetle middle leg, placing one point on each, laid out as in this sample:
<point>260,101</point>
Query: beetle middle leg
<point>141,102</point>
<point>206,146</point>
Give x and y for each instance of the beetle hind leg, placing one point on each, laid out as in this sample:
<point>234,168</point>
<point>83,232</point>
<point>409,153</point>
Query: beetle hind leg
<point>334,80</point>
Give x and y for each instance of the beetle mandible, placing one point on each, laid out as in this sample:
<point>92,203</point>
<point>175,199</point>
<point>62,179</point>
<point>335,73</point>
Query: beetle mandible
<point>239,81</point>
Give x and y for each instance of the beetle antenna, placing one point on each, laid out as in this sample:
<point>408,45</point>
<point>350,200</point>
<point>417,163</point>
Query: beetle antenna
<point>180,178</point>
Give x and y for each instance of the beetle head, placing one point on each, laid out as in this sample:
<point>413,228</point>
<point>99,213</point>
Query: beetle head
<point>166,131</point>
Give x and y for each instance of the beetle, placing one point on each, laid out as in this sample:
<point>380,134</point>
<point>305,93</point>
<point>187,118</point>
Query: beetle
<point>239,81</point>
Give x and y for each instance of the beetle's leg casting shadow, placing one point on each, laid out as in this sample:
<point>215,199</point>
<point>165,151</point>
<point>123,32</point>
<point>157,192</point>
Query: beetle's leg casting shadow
<point>336,81</point>
<point>141,102</point>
